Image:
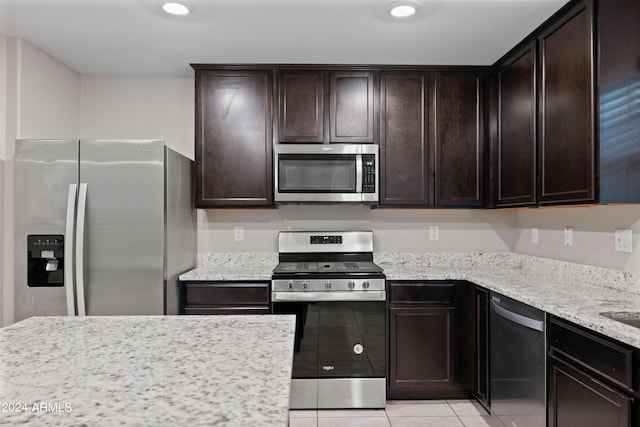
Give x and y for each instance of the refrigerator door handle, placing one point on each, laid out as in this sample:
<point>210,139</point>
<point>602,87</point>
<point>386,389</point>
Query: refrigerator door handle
<point>68,250</point>
<point>82,205</point>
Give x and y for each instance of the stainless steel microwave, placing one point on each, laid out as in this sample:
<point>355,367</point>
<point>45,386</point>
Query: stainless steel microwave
<point>334,173</point>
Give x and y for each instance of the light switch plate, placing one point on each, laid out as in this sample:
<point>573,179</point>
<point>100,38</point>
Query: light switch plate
<point>434,232</point>
<point>624,241</point>
<point>238,234</point>
<point>568,236</point>
<point>534,235</point>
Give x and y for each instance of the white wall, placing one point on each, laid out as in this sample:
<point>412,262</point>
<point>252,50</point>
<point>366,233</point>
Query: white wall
<point>394,229</point>
<point>140,107</point>
<point>593,229</point>
<point>42,100</point>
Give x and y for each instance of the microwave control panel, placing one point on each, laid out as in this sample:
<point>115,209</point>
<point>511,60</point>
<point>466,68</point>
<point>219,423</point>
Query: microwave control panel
<point>368,173</point>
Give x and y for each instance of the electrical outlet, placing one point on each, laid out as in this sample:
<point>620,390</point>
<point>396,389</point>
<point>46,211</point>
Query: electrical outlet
<point>238,234</point>
<point>624,241</point>
<point>534,235</point>
<point>434,232</point>
<point>568,236</point>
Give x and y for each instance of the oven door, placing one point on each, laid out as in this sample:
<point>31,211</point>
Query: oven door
<point>339,355</point>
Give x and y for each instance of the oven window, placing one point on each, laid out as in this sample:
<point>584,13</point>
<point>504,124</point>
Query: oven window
<point>337,339</point>
<point>308,173</point>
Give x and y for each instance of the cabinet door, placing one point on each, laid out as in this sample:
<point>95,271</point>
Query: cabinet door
<point>301,106</point>
<point>619,79</point>
<point>421,348</point>
<point>566,121</point>
<point>577,399</point>
<point>516,138</point>
<point>458,143</point>
<point>352,106</point>
<point>233,138</point>
<point>404,177</point>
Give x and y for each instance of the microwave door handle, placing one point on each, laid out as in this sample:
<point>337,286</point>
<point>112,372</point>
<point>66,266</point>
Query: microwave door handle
<point>358,173</point>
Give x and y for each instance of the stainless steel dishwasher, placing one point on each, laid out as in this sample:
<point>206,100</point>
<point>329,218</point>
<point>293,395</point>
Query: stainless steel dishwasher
<point>517,363</point>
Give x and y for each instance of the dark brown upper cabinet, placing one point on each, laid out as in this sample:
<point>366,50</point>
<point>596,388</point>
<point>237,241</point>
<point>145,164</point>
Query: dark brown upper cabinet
<point>566,128</point>
<point>302,106</point>
<point>516,129</point>
<point>351,112</point>
<point>324,106</point>
<point>457,129</point>
<point>619,90</point>
<point>233,138</point>
<point>404,149</point>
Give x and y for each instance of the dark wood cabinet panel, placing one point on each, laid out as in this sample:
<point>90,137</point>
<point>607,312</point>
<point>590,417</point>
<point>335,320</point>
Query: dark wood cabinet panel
<point>431,349</point>
<point>516,137</point>
<point>351,108</point>
<point>421,348</point>
<point>423,293</point>
<point>224,297</point>
<point>481,312</point>
<point>619,90</point>
<point>326,106</point>
<point>457,131</point>
<point>592,379</point>
<point>404,150</point>
<point>577,399</point>
<point>566,119</point>
<point>301,106</point>
<point>234,138</point>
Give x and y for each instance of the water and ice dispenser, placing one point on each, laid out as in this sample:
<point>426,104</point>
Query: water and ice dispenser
<point>45,260</point>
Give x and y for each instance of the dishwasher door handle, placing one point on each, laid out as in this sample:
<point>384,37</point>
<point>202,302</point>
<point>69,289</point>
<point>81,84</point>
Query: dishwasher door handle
<point>521,320</point>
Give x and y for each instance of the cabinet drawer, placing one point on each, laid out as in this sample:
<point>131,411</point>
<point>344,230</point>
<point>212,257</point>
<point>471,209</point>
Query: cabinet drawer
<point>215,294</point>
<point>595,353</point>
<point>422,293</point>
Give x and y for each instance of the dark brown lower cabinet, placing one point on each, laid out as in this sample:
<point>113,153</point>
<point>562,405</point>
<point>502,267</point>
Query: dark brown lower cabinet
<point>428,341</point>
<point>579,400</point>
<point>481,329</point>
<point>591,379</point>
<point>224,298</point>
<point>421,349</point>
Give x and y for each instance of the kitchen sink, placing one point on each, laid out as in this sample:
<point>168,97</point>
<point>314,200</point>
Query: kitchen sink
<point>631,318</point>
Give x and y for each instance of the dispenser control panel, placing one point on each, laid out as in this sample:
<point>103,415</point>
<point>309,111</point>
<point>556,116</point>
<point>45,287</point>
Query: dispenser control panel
<point>45,255</point>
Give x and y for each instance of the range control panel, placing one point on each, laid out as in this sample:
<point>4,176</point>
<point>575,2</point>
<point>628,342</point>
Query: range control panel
<point>325,240</point>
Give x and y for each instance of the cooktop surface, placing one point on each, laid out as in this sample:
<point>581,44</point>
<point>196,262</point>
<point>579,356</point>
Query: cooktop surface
<point>355,267</point>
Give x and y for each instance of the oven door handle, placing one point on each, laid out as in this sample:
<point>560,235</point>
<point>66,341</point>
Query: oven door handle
<point>328,296</point>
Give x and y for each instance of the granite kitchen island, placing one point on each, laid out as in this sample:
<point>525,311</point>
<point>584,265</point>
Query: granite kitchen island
<point>147,370</point>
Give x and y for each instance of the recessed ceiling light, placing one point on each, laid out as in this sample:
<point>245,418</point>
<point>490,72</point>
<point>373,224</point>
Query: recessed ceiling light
<point>403,9</point>
<point>175,8</point>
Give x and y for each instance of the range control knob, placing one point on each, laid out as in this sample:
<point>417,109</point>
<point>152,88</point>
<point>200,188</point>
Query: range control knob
<point>351,284</point>
<point>290,284</point>
<point>305,284</point>
<point>365,285</point>
<point>327,284</point>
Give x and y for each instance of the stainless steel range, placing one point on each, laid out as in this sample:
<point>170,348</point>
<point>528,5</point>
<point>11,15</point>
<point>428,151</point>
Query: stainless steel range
<point>329,281</point>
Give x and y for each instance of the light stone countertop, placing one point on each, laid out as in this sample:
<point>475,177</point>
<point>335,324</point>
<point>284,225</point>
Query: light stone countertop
<point>571,299</point>
<point>574,292</point>
<point>225,266</point>
<point>147,370</point>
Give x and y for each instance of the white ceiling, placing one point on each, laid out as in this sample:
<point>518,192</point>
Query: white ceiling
<point>134,37</point>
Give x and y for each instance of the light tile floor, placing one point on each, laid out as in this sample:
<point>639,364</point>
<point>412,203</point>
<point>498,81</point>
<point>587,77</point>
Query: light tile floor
<point>399,413</point>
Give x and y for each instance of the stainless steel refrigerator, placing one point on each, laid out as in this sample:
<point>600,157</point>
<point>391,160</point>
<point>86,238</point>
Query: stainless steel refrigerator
<point>103,227</point>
